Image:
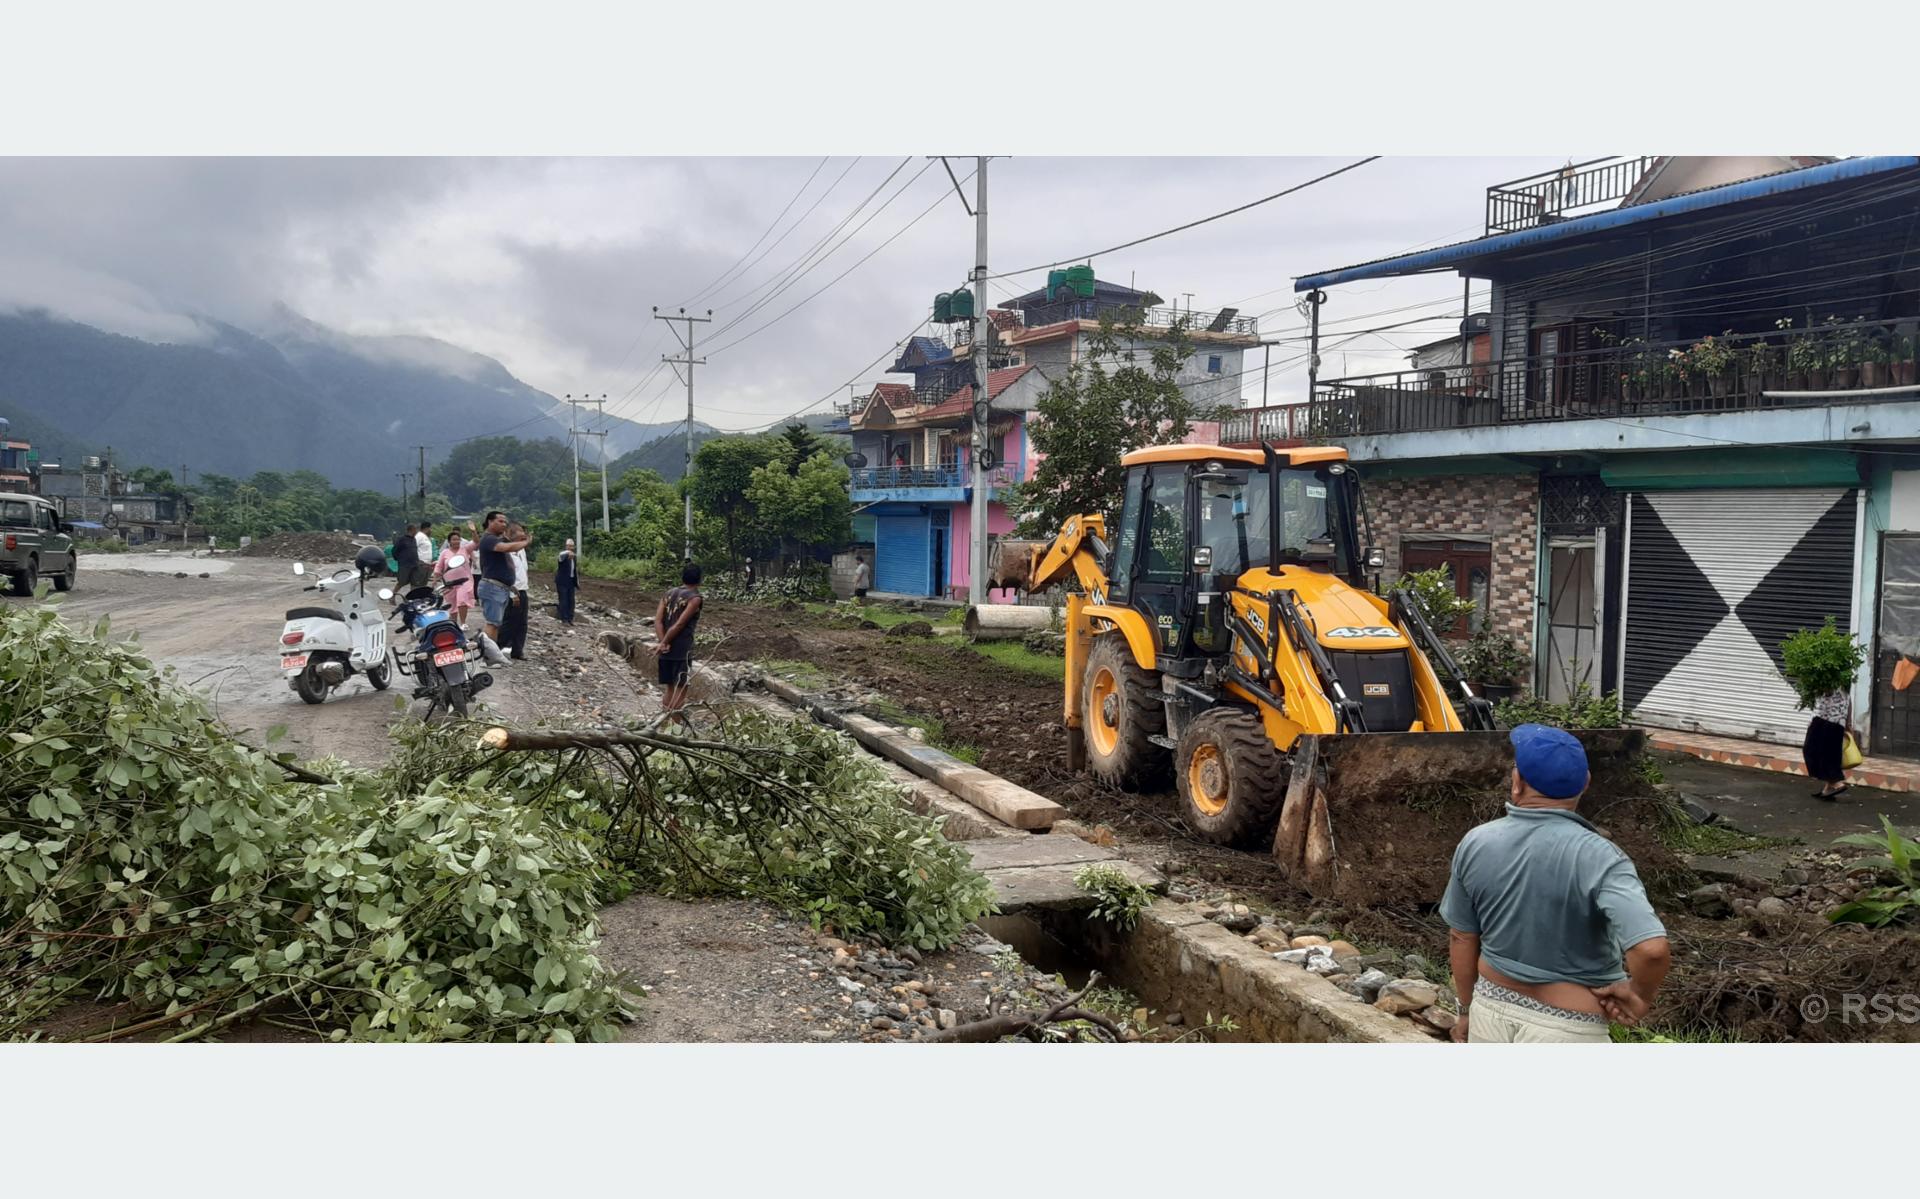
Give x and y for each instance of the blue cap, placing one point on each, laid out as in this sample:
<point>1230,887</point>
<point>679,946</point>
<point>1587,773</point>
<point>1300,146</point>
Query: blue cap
<point>1550,760</point>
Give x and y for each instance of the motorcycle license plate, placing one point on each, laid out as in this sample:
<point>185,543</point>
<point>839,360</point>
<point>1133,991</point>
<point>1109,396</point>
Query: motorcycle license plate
<point>450,657</point>
<point>292,661</point>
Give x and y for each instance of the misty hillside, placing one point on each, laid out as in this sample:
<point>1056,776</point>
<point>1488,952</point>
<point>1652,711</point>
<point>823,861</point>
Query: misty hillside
<point>294,396</point>
<point>667,454</point>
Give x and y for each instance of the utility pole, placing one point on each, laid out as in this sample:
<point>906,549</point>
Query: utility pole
<point>423,481</point>
<point>606,510</point>
<point>687,360</point>
<point>982,402</point>
<point>403,476</point>
<point>573,435</point>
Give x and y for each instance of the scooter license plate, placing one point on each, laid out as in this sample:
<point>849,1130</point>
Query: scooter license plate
<point>292,661</point>
<point>449,657</point>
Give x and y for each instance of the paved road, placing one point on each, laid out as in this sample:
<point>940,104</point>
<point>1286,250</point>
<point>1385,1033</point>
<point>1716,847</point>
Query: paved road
<point>221,635</point>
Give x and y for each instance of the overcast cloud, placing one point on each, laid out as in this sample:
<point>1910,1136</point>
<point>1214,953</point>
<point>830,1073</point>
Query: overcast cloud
<point>552,265</point>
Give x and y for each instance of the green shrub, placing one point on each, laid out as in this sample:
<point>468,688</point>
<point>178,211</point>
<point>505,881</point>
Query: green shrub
<point>1491,657</point>
<point>1820,661</point>
<point>1434,588</point>
<point>1117,899</point>
<point>1584,710</point>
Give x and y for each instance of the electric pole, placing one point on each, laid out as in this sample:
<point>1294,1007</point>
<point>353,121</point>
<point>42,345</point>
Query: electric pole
<point>423,481</point>
<point>687,360</point>
<point>403,476</point>
<point>982,402</point>
<point>606,510</point>
<point>573,435</point>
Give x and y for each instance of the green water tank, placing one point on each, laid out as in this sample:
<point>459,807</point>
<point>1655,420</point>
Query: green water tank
<point>943,307</point>
<point>962,302</point>
<point>1056,279</point>
<point>1080,279</point>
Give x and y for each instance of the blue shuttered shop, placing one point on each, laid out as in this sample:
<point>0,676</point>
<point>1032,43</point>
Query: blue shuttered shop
<point>909,552</point>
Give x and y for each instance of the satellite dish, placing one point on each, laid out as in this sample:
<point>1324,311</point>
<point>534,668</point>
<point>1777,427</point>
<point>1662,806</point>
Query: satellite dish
<point>855,460</point>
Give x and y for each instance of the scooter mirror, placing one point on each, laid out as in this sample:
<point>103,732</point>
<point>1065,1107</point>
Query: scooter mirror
<point>299,568</point>
<point>386,593</point>
<point>456,562</point>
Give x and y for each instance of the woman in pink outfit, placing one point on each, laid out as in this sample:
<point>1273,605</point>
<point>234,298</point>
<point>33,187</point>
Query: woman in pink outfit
<point>459,579</point>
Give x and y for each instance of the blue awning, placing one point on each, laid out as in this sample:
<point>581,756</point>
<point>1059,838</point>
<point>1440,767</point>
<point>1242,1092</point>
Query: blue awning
<point>1444,257</point>
<point>85,524</point>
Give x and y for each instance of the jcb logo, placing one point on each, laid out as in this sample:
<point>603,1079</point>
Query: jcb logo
<point>1358,631</point>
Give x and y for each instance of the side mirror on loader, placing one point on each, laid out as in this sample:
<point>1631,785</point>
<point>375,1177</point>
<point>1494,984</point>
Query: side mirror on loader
<point>1376,558</point>
<point>1202,559</point>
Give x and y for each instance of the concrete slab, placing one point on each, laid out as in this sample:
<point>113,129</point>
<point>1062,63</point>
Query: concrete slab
<point>1782,805</point>
<point>1050,888</point>
<point>1004,801</point>
<point>1037,851</point>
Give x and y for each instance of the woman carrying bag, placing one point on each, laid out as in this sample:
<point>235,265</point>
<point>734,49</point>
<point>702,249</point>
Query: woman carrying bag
<point>1830,749</point>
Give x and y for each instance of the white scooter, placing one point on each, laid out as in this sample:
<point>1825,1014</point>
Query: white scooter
<point>321,646</point>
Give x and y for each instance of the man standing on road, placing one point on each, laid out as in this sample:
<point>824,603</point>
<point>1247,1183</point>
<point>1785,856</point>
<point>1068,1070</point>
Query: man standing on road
<point>514,631</point>
<point>675,620</point>
<point>495,588</point>
<point>862,577</point>
<point>424,539</point>
<point>1541,910</point>
<point>566,580</point>
<point>406,558</point>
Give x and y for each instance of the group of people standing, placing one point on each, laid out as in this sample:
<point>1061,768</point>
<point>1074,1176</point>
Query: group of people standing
<point>487,569</point>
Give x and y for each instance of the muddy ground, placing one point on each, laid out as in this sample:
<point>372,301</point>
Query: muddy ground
<point>1743,974</point>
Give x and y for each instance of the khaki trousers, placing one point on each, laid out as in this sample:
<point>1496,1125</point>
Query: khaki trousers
<point>1493,1021</point>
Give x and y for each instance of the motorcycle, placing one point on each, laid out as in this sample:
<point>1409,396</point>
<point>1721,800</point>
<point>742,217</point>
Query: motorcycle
<point>437,661</point>
<point>322,646</point>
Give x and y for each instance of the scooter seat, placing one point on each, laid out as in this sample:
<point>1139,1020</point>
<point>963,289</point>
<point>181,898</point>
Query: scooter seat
<point>317,613</point>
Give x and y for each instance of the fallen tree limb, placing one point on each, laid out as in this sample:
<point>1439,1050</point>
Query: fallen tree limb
<point>1008,1024</point>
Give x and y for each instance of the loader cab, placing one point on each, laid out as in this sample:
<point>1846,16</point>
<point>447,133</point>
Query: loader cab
<point>1194,519</point>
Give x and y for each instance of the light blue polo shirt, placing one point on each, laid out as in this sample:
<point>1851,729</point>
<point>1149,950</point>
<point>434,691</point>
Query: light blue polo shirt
<point>1550,898</point>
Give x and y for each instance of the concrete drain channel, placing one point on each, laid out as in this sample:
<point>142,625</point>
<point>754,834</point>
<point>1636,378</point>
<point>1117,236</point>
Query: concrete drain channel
<point>1174,959</point>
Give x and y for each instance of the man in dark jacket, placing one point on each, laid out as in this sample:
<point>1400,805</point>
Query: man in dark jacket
<point>406,558</point>
<point>566,581</point>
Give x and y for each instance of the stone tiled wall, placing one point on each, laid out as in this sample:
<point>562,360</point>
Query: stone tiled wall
<point>1502,508</point>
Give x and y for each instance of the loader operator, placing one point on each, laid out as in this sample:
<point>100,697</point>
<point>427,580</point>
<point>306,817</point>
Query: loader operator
<point>1541,908</point>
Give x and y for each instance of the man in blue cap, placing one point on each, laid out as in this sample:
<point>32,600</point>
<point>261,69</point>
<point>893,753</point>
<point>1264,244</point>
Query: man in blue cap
<point>1551,935</point>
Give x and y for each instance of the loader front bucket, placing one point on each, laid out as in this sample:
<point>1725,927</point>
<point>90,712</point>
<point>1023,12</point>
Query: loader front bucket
<point>1373,818</point>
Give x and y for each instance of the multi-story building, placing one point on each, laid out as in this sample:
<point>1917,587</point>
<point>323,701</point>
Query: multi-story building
<point>16,462</point>
<point>913,490</point>
<point>1696,430</point>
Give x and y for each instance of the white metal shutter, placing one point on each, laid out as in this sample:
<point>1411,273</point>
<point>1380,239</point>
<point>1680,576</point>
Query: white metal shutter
<point>1715,581</point>
<point>902,554</point>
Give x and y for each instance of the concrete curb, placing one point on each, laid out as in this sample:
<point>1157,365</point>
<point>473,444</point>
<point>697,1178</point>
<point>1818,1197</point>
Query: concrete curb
<point>1004,801</point>
<point>1178,960</point>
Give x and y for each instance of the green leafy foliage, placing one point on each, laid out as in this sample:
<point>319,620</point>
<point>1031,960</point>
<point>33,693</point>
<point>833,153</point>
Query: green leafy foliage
<point>1438,597</point>
<point>1584,710</point>
<point>1117,899</point>
<point>147,855</point>
<point>1122,395</point>
<point>1820,661</point>
<point>1490,657</point>
<point>1883,905</point>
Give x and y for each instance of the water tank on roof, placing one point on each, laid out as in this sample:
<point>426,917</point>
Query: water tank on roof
<point>1056,279</point>
<point>1080,279</point>
<point>962,302</point>
<point>943,307</point>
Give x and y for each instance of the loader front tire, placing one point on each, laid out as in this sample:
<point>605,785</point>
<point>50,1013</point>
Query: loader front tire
<point>1118,718</point>
<point>1230,776</point>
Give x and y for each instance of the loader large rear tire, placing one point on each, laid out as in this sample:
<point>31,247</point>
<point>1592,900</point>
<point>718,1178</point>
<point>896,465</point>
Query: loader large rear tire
<point>1231,779</point>
<point>1119,719</point>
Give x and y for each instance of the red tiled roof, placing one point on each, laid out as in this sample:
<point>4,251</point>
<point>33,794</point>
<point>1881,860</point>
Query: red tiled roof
<point>962,401</point>
<point>893,395</point>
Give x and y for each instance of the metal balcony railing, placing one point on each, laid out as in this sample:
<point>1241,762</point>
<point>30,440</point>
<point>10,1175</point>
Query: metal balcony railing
<point>1539,199</point>
<point>909,476</point>
<point>1152,318</point>
<point>1279,423</point>
<point>1791,369</point>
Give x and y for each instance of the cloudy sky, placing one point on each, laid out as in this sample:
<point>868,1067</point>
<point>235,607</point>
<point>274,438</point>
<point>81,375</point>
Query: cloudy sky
<point>553,265</point>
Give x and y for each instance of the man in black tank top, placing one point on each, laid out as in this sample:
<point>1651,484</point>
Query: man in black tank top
<point>675,621</point>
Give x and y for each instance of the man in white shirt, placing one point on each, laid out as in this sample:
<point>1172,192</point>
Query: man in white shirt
<point>513,630</point>
<point>425,542</point>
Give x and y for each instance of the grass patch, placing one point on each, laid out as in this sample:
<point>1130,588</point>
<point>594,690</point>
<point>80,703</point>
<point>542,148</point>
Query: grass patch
<point>1682,834</point>
<point>1650,1035</point>
<point>804,673</point>
<point>936,732</point>
<point>1015,656</point>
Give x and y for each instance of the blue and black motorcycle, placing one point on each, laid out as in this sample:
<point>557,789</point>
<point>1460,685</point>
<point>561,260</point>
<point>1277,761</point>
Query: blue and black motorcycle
<point>437,657</point>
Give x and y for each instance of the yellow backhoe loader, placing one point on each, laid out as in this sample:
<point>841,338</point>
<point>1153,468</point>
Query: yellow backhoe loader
<point>1224,635</point>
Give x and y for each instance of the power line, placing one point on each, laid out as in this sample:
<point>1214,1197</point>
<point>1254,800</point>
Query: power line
<point>763,233</point>
<point>720,295</point>
<point>852,379</point>
<point>1127,245</point>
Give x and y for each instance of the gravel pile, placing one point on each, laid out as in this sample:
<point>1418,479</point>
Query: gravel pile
<point>306,547</point>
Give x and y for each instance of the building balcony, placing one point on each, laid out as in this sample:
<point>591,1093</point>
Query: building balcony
<point>1281,424</point>
<point>1630,384</point>
<point>1553,195</point>
<point>952,483</point>
<point>1227,321</point>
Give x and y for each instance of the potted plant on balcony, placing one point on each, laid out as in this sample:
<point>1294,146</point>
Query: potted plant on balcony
<point>1493,663</point>
<point>1806,360</point>
<point>1843,356</point>
<point>1711,359</point>
<point>1901,360</point>
<point>1873,361</point>
<point>1761,364</point>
